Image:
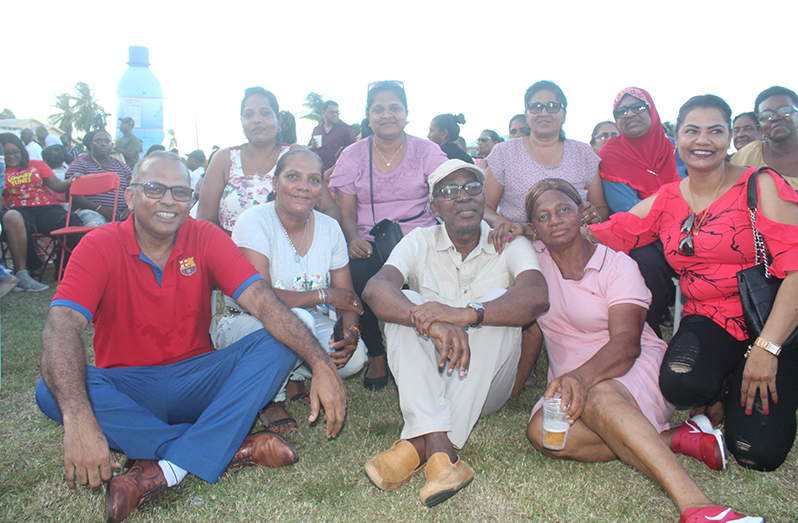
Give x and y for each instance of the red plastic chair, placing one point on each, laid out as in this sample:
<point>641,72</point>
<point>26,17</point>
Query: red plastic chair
<point>85,185</point>
<point>45,247</point>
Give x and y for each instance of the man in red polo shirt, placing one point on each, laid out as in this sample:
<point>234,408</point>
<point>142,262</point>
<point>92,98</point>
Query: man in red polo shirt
<point>159,392</point>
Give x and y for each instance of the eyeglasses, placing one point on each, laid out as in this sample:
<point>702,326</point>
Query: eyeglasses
<point>785,111</point>
<point>551,107</point>
<point>606,136</point>
<point>15,152</point>
<point>380,83</point>
<point>452,192</point>
<point>686,243</point>
<point>521,131</point>
<point>483,139</point>
<point>636,108</point>
<point>156,191</point>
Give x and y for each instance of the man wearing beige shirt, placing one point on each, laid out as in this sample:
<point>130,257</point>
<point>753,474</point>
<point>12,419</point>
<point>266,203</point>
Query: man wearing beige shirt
<point>453,339</point>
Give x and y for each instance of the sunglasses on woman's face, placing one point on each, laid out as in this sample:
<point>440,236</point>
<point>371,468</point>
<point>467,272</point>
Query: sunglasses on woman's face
<point>635,108</point>
<point>483,139</point>
<point>551,107</point>
<point>686,243</point>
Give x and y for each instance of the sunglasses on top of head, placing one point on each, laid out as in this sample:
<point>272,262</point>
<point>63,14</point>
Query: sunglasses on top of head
<point>380,83</point>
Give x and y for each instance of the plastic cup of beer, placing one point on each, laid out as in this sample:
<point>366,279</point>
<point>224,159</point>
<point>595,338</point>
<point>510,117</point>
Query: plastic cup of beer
<point>555,426</point>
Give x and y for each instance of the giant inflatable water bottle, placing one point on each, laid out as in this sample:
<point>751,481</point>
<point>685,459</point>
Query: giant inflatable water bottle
<point>139,96</point>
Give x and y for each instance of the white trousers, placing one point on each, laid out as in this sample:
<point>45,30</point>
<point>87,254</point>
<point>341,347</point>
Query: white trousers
<point>232,329</point>
<point>434,401</point>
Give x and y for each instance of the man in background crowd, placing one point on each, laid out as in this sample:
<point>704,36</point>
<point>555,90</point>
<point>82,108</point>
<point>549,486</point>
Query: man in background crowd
<point>44,137</point>
<point>33,148</point>
<point>331,135</point>
<point>195,161</point>
<point>97,209</point>
<point>128,144</point>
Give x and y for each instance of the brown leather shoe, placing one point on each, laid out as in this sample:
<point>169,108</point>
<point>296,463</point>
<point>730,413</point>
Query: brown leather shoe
<point>141,484</point>
<point>444,479</point>
<point>266,449</point>
<point>393,468</point>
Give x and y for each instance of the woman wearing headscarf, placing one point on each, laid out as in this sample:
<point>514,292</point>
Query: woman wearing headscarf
<point>634,165</point>
<point>640,160</point>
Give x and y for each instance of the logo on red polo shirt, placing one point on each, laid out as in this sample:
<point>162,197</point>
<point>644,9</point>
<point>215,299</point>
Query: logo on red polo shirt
<point>188,267</point>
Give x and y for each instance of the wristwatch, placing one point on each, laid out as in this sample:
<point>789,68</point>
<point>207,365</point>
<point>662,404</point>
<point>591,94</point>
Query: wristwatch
<point>769,346</point>
<point>480,312</point>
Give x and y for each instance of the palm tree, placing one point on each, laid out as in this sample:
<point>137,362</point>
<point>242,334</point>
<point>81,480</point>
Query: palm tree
<point>64,118</point>
<point>314,103</point>
<point>6,113</point>
<point>85,108</point>
<point>172,139</point>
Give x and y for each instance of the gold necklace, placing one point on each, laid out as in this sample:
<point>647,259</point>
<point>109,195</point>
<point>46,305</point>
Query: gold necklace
<point>700,220</point>
<point>392,157</point>
<point>251,159</point>
<point>534,153</point>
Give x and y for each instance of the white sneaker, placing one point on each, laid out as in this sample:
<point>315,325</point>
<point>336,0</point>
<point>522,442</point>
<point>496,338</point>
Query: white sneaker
<point>28,284</point>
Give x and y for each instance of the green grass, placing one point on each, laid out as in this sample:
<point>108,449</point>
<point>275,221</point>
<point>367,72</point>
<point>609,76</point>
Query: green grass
<point>513,482</point>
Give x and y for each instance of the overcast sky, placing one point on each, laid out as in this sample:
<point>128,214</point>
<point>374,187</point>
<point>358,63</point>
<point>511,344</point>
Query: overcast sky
<point>477,58</point>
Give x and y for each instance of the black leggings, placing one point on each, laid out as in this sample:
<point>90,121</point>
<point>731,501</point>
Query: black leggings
<point>362,269</point>
<point>45,219</point>
<point>658,276</point>
<point>699,359</point>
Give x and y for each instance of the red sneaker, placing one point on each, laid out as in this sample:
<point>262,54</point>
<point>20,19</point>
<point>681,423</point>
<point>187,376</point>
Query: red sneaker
<point>716,514</point>
<point>696,438</point>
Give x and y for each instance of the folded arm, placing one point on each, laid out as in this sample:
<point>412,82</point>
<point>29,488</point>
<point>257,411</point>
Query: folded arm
<point>340,295</point>
<point>520,305</point>
<point>384,295</point>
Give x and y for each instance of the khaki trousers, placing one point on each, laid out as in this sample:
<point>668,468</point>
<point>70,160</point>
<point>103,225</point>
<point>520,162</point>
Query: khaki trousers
<point>434,401</point>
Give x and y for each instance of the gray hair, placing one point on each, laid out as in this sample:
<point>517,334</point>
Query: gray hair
<point>159,155</point>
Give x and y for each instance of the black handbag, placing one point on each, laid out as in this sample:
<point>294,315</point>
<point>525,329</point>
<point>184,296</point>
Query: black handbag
<point>387,233</point>
<point>758,288</point>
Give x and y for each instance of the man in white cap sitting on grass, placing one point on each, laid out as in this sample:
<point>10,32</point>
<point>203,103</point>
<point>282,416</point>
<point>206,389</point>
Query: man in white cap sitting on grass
<point>453,339</point>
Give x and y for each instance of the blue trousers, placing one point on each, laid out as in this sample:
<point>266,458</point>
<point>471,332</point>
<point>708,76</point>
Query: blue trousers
<point>194,413</point>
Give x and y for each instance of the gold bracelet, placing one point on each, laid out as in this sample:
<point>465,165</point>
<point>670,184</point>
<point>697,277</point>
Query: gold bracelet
<point>356,327</point>
<point>767,345</point>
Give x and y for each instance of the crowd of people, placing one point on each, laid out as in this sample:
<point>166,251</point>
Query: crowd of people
<point>409,258</point>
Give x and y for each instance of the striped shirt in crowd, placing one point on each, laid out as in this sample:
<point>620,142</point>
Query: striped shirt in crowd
<point>85,164</point>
